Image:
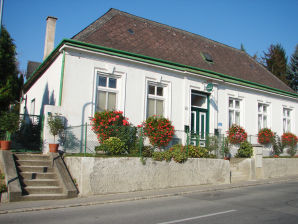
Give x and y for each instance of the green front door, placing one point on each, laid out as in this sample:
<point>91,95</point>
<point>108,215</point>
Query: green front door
<point>199,118</point>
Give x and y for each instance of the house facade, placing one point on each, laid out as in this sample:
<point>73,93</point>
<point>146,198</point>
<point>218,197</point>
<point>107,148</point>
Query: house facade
<point>123,62</point>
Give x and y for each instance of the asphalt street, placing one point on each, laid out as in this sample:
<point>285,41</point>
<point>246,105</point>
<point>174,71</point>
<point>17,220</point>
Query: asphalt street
<point>269,203</point>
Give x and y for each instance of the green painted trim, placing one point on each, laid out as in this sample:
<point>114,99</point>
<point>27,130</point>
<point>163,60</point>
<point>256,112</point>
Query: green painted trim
<point>208,116</point>
<point>150,60</point>
<point>61,78</point>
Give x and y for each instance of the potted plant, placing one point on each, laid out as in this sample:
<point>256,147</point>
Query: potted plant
<point>9,123</point>
<point>56,127</point>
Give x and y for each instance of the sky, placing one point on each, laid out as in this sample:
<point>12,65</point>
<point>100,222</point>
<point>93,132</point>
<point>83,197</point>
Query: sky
<point>254,23</point>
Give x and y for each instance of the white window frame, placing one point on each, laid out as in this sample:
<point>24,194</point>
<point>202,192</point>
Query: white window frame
<point>32,107</point>
<point>107,89</point>
<point>263,114</point>
<point>234,110</point>
<point>286,118</point>
<point>155,97</point>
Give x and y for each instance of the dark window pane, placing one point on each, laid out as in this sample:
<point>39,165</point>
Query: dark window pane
<point>112,83</point>
<point>159,91</point>
<point>151,90</point>
<point>102,81</point>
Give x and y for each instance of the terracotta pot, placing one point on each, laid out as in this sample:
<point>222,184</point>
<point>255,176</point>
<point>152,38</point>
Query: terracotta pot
<point>54,147</point>
<point>5,145</point>
<point>226,158</point>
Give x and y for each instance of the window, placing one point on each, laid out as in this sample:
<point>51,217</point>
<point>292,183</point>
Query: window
<point>286,120</point>
<point>155,100</point>
<point>262,116</point>
<point>234,111</point>
<point>198,100</point>
<point>32,107</point>
<point>106,93</point>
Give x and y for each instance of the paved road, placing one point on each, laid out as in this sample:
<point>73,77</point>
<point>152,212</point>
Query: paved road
<point>274,203</point>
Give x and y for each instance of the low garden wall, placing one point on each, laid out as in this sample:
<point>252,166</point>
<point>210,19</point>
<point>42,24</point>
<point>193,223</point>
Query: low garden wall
<point>279,167</point>
<point>96,175</point>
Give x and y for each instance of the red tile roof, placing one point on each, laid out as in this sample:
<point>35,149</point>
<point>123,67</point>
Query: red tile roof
<point>123,31</point>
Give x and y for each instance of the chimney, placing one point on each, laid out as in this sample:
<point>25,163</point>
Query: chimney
<point>50,36</point>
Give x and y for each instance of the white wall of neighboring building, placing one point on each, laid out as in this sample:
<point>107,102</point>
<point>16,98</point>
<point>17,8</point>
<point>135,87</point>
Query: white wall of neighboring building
<point>45,90</point>
<point>80,83</point>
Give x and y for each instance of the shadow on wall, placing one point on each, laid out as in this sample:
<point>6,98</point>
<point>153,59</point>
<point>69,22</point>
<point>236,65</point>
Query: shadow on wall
<point>47,99</point>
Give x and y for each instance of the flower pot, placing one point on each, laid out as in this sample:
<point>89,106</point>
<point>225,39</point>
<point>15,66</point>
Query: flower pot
<point>5,145</point>
<point>53,148</point>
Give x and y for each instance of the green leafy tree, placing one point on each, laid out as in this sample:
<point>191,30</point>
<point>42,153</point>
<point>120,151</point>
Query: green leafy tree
<point>275,61</point>
<point>293,70</point>
<point>10,81</point>
<point>242,48</point>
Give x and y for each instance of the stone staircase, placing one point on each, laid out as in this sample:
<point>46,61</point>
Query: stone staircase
<point>38,178</point>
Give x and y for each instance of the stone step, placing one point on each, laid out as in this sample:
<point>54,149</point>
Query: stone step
<point>31,157</point>
<point>41,182</point>
<point>37,197</point>
<point>43,190</point>
<point>34,163</point>
<point>35,169</point>
<point>37,175</point>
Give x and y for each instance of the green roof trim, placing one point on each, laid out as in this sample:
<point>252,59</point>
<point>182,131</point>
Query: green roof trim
<point>150,60</point>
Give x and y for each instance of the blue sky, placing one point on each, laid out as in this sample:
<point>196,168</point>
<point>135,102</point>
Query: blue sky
<point>255,23</point>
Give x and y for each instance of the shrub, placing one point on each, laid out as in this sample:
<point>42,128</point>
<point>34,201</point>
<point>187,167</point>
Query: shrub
<point>56,125</point>
<point>245,150</point>
<point>147,151</point>
<point>113,146</point>
<point>113,124</point>
<point>197,152</point>
<point>158,156</point>
<point>168,155</point>
<point>212,143</point>
<point>159,130</point>
<point>236,134</point>
<point>3,188</point>
<point>265,136</point>
<point>277,145</point>
<point>179,153</point>
<point>290,140</point>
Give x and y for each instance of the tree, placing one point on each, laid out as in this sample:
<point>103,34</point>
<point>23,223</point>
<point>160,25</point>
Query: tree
<point>242,48</point>
<point>10,81</point>
<point>293,70</point>
<point>275,61</point>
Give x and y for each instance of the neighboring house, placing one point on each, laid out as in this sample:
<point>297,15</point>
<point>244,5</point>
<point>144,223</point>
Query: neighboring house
<point>143,68</point>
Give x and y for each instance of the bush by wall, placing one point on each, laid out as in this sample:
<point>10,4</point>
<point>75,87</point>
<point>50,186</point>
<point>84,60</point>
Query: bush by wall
<point>113,146</point>
<point>265,136</point>
<point>245,150</point>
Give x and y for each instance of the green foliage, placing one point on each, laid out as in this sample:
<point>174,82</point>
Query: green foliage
<point>147,151</point>
<point>56,125</point>
<point>179,153</point>
<point>275,61</point>
<point>9,123</point>
<point>3,188</point>
<point>293,70</point>
<point>197,152</point>
<point>10,82</point>
<point>226,147</point>
<point>112,146</point>
<point>168,155</point>
<point>245,150</point>
<point>158,156</point>
<point>212,143</point>
<point>277,145</point>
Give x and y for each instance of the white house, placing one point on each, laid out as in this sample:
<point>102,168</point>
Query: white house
<point>142,68</point>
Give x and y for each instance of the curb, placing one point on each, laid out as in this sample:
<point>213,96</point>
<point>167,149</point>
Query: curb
<point>148,197</point>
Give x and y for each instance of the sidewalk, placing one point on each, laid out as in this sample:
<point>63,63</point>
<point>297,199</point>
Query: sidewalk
<point>26,206</point>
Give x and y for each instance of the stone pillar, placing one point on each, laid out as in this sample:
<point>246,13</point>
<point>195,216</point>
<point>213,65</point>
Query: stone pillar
<point>258,157</point>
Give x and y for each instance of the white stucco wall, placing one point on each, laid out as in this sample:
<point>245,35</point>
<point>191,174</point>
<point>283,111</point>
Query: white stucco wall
<point>45,90</point>
<point>79,93</point>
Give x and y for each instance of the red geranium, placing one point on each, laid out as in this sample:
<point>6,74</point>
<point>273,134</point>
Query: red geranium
<point>265,136</point>
<point>236,134</point>
<point>159,130</point>
<point>106,124</point>
<point>289,139</point>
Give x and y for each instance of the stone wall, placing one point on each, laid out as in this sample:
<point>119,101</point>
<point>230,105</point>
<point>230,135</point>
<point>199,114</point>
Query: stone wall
<point>110,175</point>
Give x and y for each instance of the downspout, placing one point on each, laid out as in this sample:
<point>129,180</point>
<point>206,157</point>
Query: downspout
<point>61,78</point>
